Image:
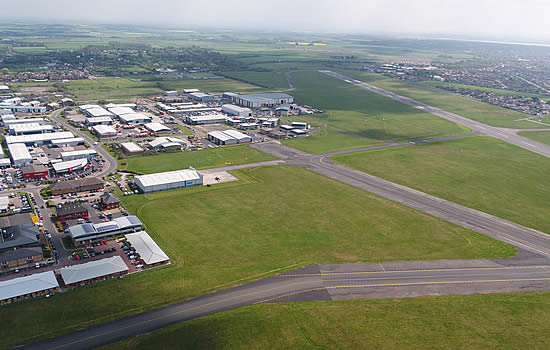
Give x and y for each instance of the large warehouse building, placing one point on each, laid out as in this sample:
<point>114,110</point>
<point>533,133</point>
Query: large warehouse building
<point>228,137</point>
<point>39,139</point>
<point>237,111</point>
<point>261,100</point>
<point>20,155</point>
<point>169,180</point>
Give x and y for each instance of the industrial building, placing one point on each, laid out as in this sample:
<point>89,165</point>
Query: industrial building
<point>167,142</point>
<point>28,286</point>
<point>228,137</point>
<point>298,132</point>
<point>92,184</point>
<point>29,128</point>
<point>248,126</point>
<point>146,248</point>
<point>10,120</point>
<point>169,180</point>
<point>19,154</point>
<point>104,131</point>
<point>134,118</point>
<point>97,112</point>
<point>84,233</point>
<point>131,149</point>
<point>113,105</point>
<point>237,111</point>
<point>121,110</point>
<point>260,100</point>
<point>69,166</point>
<point>156,127</point>
<point>74,141</point>
<point>38,139</point>
<point>205,119</point>
<point>93,271</point>
<point>72,155</point>
<point>201,96</point>
<point>299,125</point>
<point>35,171</point>
<point>189,91</point>
<point>99,121</point>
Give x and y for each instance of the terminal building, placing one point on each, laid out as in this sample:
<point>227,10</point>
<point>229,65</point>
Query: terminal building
<point>169,180</point>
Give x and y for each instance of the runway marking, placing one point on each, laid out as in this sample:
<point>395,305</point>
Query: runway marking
<point>420,270</point>
<point>406,284</point>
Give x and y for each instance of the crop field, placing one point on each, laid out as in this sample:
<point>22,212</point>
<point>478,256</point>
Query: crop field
<point>207,158</point>
<point>248,240</point>
<point>464,106</point>
<point>518,321</point>
<point>357,110</point>
<point>479,172</point>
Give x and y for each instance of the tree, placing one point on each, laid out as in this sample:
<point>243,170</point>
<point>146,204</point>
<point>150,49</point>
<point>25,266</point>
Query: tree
<point>4,71</point>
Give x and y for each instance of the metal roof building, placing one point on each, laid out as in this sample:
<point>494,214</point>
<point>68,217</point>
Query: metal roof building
<point>205,119</point>
<point>39,139</point>
<point>131,148</point>
<point>89,232</point>
<point>148,250</point>
<point>239,136</point>
<point>221,138</point>
<point>134,118</point>
<point>262,100</point>
<point>74,141</point>
<point>237,110</point>
<point>156,127</point>
<point>98,112</point>
<point>11,121</point>
<point>19,154</point>
<point>72,155</point>
<point>93,270</point>
<point>169,180</point>
<point>29,128</point>
<point>22,286</point>
<point>121,110</point>
<point>99,120</point>
<point>63,167</point>
<point>161,142</point>
<point>104,130</point>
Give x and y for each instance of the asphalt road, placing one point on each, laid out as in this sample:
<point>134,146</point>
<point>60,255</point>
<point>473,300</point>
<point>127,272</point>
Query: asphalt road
<point>508,135</point>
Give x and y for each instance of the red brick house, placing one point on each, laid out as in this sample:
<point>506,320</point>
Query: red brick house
<point>109,201</point>
<point>71,211</point>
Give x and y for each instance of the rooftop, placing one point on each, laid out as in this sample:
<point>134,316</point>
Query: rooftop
<point>131,147</point>
<point>168,177</point>
<point>71,208</point>
<point>93,269</point>
<point>26,285</point>
<point>18,235</point>
<point>146,247</point>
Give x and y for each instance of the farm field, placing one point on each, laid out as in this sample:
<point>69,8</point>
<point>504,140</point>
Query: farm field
<point>479,172</point>
<point>207,158</point>
<point>357,110</point>
<point>248,240</point>
<point>518,321</point>
<point>464,106</point>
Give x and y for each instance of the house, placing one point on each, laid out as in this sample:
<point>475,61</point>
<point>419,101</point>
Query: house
<point>93,271</point>
<point>109,201</point>
<point>71,211</point>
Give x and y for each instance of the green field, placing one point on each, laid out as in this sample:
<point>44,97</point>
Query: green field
<point>498,321</point>
<point>231,233</point>
<point>328,140</point>
<point>479,172</point>
<point>357,110</point>
<point>464,106</point>
<point>273,80</point>
<point>207,158</point>
<point>539,136</point>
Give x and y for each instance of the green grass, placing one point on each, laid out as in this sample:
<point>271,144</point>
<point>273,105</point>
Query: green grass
<point>360,111</point>
<point>498,321</point>
<point>479,172</point>
<point>274,80</point>
<point>184,130</point>
<point>227,234</point>
<point>207,158</point>
<point>451,102</point>
<point>539,136</point>
<point>328,140</point>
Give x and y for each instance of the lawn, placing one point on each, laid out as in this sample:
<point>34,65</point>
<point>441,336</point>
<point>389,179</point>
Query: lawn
<point>498,321</point>
<point>328,140</point>
<point>357,110</point>
<point>207,158</point>
<point>479,172</point>
<point>227,234</point>
<point>451,102</point>
<point>539,136</point>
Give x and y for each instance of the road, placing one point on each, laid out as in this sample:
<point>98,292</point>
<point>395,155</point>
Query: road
<point>508,135</point>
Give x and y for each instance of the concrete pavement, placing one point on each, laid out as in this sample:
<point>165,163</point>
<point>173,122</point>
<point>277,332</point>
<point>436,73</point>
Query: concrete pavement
<point>508,135</point>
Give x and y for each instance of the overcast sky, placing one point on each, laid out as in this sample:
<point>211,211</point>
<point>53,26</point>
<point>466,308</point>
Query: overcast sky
<point>507,19</point>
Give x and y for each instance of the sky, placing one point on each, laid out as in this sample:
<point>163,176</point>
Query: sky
<point>502,19</point>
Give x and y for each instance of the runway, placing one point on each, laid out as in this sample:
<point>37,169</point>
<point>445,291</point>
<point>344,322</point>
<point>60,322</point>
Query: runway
<point>508,135</point>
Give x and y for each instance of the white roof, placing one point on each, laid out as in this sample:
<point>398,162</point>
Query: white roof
<point>160,141</point>
<point>121,110</point>
<point>104,129</point>
<point>39,137</point>
<point>29,284</point>
<point>220,135</point>
<point>70,140</point>
<point>199,94</point>
<point>188,91</point>
<point>298,131</point>
<point>99,119</point>
<point>146,247</point>
<point>84,152</point>
<point>156,127</point>
<point>89,106</point>
<point>196,118</point>
<point>8,117</point>
<point>131,147</point>
<point>113,105</point>
<point>4,162</point>
<point>168,177</point>
<point>93,269</point>
<point>30,127</point>
<point>132,117</point>
<point>23,121</point>
<point>234,108</point>
<point>236,134</point>
<point>4,202</point>
<point>4,87</point>
<point>19,151</point>
<point>99,112</point>
<point>71,164</point>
